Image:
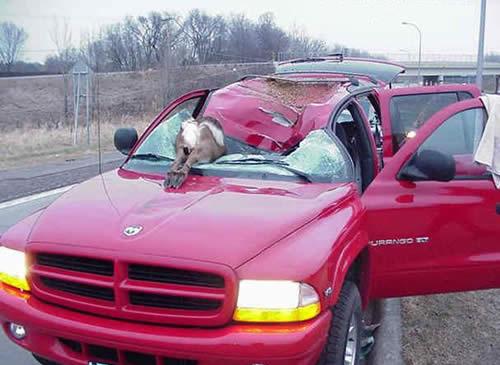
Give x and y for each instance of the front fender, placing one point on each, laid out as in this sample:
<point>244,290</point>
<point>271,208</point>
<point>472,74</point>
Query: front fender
<point>354,251</point>
<point>320,253</point>
<point>17,236</point>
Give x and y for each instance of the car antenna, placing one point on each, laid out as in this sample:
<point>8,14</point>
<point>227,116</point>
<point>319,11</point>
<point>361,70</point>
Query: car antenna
<point>99,152</point>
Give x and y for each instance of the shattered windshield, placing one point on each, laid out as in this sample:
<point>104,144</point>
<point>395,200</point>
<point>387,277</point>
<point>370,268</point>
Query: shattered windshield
<point>318,158</point>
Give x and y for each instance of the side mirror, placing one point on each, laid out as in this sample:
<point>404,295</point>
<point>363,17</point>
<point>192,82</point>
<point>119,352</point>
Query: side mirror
<point>125,139</point>
<point>429,165</point>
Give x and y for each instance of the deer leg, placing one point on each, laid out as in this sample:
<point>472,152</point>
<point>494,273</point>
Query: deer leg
<point>179,161</point>
<point>178,177</point>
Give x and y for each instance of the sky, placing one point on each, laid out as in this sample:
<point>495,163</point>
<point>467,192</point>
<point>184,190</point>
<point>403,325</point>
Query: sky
<point>448,26</point>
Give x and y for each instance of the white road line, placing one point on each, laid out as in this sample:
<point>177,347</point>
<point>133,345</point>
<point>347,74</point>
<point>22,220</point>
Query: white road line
<point>29,198</point>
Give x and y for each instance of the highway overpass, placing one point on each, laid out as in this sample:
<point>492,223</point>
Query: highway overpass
<point>434,72</point>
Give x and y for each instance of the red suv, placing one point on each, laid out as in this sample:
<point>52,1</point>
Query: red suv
<point>336,190</point>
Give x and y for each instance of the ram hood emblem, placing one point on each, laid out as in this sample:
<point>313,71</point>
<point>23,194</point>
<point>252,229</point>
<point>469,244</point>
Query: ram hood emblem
<point>132,230</point>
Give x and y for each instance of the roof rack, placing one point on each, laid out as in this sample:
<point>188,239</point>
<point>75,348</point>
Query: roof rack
<point>338,57</point>
<point>274,77</point>
<point>307,59</point>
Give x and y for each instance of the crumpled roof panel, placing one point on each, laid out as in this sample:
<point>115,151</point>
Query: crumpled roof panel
<point>274,113</point>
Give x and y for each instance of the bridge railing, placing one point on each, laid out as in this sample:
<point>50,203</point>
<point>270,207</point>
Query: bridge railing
<point>427,57</point>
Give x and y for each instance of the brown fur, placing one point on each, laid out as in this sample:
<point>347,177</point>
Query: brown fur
<point>206,149</point>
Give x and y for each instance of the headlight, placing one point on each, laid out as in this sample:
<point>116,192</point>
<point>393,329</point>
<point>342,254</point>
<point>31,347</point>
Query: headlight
<point>13,268</point>
<point>276,301</point>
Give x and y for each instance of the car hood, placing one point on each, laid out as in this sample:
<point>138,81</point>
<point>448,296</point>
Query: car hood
<point>213,219</point>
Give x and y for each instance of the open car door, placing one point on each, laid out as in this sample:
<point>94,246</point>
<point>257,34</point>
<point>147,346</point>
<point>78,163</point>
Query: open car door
<point>433,214</point>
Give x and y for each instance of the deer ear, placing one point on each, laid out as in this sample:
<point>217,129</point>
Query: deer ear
<point>187,122</point>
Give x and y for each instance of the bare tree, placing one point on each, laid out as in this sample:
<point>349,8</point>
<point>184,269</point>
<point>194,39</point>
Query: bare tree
<point>115,48</point>
<point>271,38</point>
<point>205,33</point>
<point>149,32</point>
<point>242,39</point>
<point>12,40</point>
<point>302,45</point>
<point>162,40</point>
<point>123,49</point>
<point>60,34</point>
<point>93,51</point>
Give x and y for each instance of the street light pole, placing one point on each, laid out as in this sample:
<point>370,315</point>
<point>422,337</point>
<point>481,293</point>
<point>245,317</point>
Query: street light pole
<point>480,49</point>
<point>419,47</point>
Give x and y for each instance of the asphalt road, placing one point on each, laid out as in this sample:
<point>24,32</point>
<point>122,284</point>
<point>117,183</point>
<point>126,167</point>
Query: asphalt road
<point>19,182</point>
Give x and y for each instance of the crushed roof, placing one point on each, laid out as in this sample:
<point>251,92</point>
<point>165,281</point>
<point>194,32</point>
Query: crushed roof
<point>294,93</point>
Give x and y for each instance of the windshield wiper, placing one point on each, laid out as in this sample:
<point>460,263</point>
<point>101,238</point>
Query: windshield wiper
<point>150,157</point>
<point>258,161</point>
<point>251,161</point>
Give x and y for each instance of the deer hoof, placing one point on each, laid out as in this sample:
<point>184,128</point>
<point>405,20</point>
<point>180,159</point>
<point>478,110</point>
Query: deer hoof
<point>174,179</point>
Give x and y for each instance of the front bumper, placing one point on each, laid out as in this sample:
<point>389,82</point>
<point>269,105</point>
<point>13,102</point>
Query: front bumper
<point>235,344</point>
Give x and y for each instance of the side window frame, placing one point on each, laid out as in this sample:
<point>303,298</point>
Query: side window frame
<point>486,176</point>
<point>398,144</point>
<point>203,95</point>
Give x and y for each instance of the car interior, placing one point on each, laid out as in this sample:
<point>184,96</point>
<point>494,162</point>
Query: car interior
<point>349,128</point>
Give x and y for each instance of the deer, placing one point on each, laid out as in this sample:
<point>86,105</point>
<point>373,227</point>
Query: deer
<point>198,140</point>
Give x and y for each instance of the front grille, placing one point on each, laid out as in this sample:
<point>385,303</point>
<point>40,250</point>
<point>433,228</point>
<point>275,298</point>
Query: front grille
<point>170,361</point>
<point>137,358</point>
<point>174,276</point>
<point>133,290</point>
<point>72,345</point>
<point>83,290</point>
<point>73,263</point>
<point>173,302</point>
<point>101,353</point>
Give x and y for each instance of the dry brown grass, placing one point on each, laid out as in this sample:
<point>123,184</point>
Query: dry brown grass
<point>33,126</point>
<point>39,102</point>
<point>27,146</point>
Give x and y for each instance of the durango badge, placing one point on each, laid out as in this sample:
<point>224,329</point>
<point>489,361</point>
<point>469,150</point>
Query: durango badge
<point>132,230</point>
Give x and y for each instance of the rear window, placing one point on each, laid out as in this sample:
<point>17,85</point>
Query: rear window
<point>382,71</point>
<point>410,112</point>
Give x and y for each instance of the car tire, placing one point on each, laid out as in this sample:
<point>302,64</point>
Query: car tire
<point>343,344</point>
<point>43,361</point>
